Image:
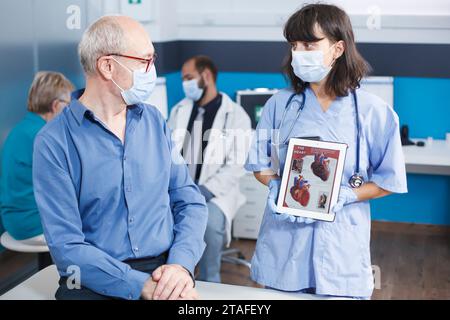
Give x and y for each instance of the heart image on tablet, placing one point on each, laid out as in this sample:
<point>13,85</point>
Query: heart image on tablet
<point>321,166</point>
<point>300,191</point>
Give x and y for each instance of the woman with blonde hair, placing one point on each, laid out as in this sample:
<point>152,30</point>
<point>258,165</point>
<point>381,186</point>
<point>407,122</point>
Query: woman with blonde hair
<point>49,93</point>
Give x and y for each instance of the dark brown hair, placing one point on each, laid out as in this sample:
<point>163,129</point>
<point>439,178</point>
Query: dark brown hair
<point>348,69</point>
<point>203,62</point>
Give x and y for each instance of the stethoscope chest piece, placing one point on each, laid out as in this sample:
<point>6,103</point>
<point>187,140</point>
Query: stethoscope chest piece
<point>356,181</point>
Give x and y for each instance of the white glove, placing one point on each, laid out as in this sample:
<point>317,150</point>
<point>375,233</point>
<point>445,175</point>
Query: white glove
<point>274,190</point>
<point>346,196</point>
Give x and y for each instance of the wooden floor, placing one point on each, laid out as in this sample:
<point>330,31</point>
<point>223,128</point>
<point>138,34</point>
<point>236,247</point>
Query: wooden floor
<point>414,261</point>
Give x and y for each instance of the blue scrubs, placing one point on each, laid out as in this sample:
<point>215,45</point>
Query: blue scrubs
<point>333,258</point>
<point>18,207</point>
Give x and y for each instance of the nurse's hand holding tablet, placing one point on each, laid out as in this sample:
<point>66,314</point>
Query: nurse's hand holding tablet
<point>294,252</point>
<point>274,191</point>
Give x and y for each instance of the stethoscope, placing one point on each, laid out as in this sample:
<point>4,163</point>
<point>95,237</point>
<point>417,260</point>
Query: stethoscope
<point>224,133</point>
<point>356,180</point>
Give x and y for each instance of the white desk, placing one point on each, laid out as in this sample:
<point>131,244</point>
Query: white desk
<point>43,285</point>
<point>430,159</point>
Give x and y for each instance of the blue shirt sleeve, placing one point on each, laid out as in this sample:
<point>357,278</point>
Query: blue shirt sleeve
<point>58,205</point>
<point>259,154</point>
<point>386,156</point>
<point>189,212</point>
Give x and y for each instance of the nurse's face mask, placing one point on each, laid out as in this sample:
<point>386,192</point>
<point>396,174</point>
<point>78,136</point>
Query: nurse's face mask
<point>308,65</point>
<point>144,83</point>
<point>193,89</point>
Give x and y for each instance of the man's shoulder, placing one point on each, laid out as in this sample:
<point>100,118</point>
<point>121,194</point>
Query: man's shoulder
<point>151,113</point>
<point>182,103</point>
<point>236,108</point>
<point>153,118</point>
<point>55,129</point>
<point>185,102</point>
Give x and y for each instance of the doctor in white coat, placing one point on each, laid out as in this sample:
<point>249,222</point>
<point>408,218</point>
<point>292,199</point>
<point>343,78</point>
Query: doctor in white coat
<point>214,134</point>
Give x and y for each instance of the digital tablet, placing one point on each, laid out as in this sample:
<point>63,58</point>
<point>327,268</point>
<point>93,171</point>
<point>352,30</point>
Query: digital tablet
<point>311,178</point>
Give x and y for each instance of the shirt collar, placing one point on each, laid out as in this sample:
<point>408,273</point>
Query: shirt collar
<point>77,94</point>
<point>138,108</point>
<point>79,110</point>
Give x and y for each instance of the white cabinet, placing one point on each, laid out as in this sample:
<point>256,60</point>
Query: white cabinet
<point>248,219</point>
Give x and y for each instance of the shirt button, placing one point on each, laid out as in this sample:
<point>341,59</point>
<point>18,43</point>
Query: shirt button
<point>136,249</point>
<point>125,158</point>
<point>131,220</point>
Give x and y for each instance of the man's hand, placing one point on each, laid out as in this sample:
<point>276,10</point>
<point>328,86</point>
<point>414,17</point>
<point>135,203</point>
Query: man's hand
<point>174,282</point>
<point>148,289</point>
<point>191,295</point>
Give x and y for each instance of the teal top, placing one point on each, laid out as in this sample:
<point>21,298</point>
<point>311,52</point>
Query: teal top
<point>18,208</point>
<point>1,232</point>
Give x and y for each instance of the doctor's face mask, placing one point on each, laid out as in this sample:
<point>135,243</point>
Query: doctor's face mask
<point>309,65</point>
<point>193,89</point>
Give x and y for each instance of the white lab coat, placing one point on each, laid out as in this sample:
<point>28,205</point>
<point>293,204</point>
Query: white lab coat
<point>224,157</point>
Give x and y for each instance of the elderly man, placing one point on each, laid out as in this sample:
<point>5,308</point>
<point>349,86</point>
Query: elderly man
<point>119,209</point>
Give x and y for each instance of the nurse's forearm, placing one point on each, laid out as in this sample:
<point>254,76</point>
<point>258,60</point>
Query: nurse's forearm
<point>265,176</point>
<point>370,191</point>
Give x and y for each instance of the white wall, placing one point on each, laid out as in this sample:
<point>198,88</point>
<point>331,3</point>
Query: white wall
<point>402,21</point>
<point>163,25</point>
<point>391,21</point>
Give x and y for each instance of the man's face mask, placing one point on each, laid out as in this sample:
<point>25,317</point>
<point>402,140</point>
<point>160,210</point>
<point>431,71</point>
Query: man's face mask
<point>193,89</point>
<point>143,85</point>
<point>308,65</point>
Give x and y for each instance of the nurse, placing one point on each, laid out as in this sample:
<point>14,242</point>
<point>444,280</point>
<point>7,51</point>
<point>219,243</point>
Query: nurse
<point>325,70</point>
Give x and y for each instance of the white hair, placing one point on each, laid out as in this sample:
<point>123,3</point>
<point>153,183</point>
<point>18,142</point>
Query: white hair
<point>105,36</point>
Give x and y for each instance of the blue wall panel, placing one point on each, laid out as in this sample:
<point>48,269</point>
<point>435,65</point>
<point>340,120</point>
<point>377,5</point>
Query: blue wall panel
<point>228,82</point>
<point>424,105</point>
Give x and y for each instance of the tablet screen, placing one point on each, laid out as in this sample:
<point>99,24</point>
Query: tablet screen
<point>311,178</point>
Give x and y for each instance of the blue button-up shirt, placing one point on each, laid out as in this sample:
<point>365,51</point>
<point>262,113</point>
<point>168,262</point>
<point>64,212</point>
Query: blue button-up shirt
<point>103,201</point>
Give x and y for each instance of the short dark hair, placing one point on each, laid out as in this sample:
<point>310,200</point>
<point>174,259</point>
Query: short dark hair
<point>348,69</point>
<point>204,62</point>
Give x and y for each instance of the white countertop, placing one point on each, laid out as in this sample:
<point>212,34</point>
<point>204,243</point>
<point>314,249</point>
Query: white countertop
<point>435,154</point>
<point>43,285</point>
